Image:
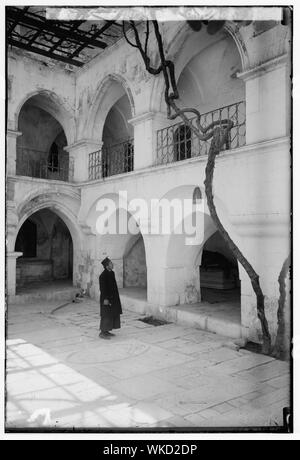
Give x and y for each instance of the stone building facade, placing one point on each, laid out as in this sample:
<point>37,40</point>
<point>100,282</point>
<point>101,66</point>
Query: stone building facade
<point>66,129</point>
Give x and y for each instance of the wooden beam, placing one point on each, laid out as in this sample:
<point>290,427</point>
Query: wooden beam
<point>74,27</point>
<point>95,35</point>
<point>57,31</point>
<point>19,14</point>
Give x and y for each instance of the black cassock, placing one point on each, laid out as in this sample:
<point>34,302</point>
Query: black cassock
<point>109,314</point>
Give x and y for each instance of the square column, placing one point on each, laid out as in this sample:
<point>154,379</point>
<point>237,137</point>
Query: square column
<point>11,145</point>
<point>267,100</point>
<point>11,271</point>
<point>80,151</point>
<point>145,128</point>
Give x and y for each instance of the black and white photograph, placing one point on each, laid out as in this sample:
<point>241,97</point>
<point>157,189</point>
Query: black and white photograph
<point>148,228</point>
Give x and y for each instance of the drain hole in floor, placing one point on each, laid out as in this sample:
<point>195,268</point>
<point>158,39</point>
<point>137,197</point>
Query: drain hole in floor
<point>252,346</point>
<point>154,321</point>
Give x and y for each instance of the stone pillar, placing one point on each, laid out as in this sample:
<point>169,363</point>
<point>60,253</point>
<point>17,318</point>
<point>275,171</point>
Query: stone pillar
<point>267,100</point>
<point>145,132</point>
<point>80,151</point>
<point>11,139</point>
<point>11,271</point>
<point>167,284</point>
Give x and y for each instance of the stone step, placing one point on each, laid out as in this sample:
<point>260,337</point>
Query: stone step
<point>64,294</point>
<point>186,315</point>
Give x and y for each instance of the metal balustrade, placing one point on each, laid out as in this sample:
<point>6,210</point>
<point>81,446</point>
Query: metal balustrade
<point>178,142</point>
<point>112,160</point>
<point>34,163</point>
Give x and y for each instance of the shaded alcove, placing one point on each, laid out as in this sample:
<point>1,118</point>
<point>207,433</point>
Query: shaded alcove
<point>47,247</point>
<point>219,274</point>
<point>134,263</point>
<point>40,148</point>
<point>117,150</point>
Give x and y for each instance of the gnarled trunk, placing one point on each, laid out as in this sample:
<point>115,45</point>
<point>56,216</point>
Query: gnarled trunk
<point>215,147</point>
<point>281,348</point>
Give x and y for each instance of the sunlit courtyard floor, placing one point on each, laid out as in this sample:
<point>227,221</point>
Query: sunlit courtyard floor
<point>61,376</point>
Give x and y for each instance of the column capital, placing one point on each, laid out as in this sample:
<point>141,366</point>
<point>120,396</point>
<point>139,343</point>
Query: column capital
<point>14,255</point>
<point>13,133</point>
<point>264,67</point>
<point>148,116</point>
<point>84,144</point>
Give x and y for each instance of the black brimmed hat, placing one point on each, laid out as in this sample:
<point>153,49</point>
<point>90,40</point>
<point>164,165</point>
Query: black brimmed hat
<point>105,262</point>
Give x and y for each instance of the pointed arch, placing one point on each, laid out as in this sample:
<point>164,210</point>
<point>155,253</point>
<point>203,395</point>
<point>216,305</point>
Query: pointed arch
<point>185,44</point>
<point>106,96</point>
<point>50,102</point>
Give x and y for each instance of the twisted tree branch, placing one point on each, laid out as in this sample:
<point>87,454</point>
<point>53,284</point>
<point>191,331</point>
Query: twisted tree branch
<point>280,347</point>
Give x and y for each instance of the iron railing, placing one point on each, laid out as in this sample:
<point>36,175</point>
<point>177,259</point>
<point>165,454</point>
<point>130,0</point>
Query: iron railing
<point>34,163</point>
<point>178,142</point>
<point>108,161</point>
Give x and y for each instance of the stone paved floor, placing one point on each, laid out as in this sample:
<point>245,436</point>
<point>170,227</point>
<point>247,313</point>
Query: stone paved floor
<point>60,375</point>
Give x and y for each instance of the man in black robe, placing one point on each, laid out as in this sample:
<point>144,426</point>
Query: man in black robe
<point>110,304</point>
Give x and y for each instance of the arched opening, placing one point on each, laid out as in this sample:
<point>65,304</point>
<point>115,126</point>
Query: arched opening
<point>40,149</point>
<point>118,150</point>
<point>47,248</point>
<point>197,196</point>
<point>134,263</point>
<point>200,274</point>
<point>207,82</point>
<point>219,274</point>
<point>123,243</point>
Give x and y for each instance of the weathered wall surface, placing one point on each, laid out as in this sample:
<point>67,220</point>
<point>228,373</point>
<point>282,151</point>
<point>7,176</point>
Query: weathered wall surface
<point>33,271</point>
<point>254,208</point>
<point>28,77</point>
<point>53,250</point>
<point>39,131</point>
<point>135,269</point>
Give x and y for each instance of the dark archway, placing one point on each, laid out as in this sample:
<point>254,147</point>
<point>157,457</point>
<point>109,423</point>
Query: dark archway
<point>219,274</point>
<point>27,239</point>
<point>118,148</point>
<point>134,263</point>
<point>40,149</point>
<point>47,248</point>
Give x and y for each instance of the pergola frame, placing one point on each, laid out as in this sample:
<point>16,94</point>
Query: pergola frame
<point>63,41</point>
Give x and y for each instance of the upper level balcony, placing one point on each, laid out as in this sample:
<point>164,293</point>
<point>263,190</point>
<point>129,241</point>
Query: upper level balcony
<point>38,164</point>
<point>174,143</point>
<point>112,160</point>
<point>178,142</point>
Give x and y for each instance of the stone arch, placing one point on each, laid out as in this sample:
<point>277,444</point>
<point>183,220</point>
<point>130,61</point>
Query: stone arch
<point>184,38</point>
<point>103,101</point>
<point>234,32</point>
<point>35,201</point>
<point>52,256</point>
<point>90,217</point>
<point>182,256</point>
<point>50,102</point>
<point>62,211</point>
<point>185,192</point>
<point>118,244</point>
<point>65,214</point>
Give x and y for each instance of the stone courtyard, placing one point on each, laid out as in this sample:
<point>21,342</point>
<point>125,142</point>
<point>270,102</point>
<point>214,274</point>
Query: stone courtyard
<point>61,376</point>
